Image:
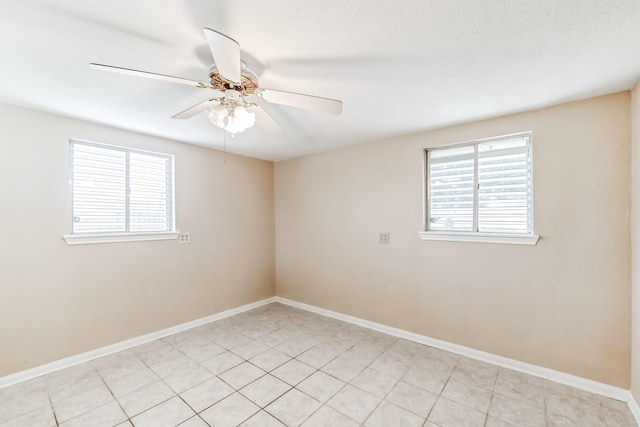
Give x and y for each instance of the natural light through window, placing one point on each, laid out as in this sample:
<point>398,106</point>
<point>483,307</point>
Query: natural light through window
<point>480,191</point>
<point>120,192</point>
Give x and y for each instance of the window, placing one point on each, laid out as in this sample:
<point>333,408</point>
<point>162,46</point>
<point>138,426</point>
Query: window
<point>120,194</point>
<point>480,191</point>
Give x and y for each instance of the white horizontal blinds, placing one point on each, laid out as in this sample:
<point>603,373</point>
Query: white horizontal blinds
<point>504,186</point>
<point>117,189</point>
<point>451,188</point>
<point>150,193</point>
<point>99,189</point>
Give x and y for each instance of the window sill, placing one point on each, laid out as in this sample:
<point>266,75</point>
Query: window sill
<point>509,239</point>
<point>92,238</point>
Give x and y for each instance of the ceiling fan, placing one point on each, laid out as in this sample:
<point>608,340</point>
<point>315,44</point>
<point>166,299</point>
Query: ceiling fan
<point>234,93</point>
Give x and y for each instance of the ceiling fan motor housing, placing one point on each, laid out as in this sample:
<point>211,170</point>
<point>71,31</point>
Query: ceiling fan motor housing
<point>248,84</point>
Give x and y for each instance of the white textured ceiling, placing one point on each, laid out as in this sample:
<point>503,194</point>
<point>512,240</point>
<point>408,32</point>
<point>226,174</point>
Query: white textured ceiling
<point>399,66</point>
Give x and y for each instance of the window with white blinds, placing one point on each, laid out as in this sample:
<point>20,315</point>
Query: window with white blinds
<point>481,187</point>
<point>120,190</point>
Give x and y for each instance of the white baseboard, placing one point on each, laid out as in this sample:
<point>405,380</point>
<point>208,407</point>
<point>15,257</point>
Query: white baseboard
<point>538,371</point>
<point>123,345</point>
<point>634,408</point>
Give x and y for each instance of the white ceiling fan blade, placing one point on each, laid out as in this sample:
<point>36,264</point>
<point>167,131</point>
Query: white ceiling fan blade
<point>309,102</point>
<point>196,109</point>
<point>147,74</point>
<point>265,121</point>
<point>226,54</point>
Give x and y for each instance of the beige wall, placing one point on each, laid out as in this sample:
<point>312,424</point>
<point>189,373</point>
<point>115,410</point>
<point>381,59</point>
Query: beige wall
<point>635,240</point>
<point>58,300</point>
<point>563,304</point>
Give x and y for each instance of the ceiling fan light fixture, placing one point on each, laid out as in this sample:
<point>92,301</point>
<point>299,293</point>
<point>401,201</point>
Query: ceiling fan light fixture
<point>232,119</point>
<point>240,120</point>
<point>217,114</point>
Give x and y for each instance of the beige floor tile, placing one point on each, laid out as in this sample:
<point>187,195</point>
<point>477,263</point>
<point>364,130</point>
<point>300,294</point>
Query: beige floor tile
<point>293,408</point>
<point>187,378</point>
<point>516,412</point>
<point>83,402</point>
<point>191,335</point>
<point>169,413</point>
<point>320,386</point>
<point>107,415</point>
<point>232,340</point>
<point>468,395</point>
<point>390,366</point>
<point>265,390</point>
<point>354,403</point>
<point>274,339</point>
<point>433,382</point>
<point>69,375</point>
<point>155,352</point>
<point>374,382</point>
<point>293,372</point>
<point>172,364</point>
<point>560,415</point>
<point>146,397</point>
<point>447,413</point>
<point>16,401</point>
<point>60,390</point>
<point>194,422</point>
<point>26,388</point>
<point>516,388</point>
<point>230,411</point>
<point>203,352</point>
<point>509,374</point>
<point>257,330</point>
<point>269,360</point>
<point>412,398</point>
<point>388,414</point>
<point>494,422</point>
<point>129,383</point>
<point>436,361</point>
<point>564,406</point>
<point>222,362</point>
<point>617,413</point>
<point>38,418</point>
<point>296,346</point>
<point>362,355</point>
<point>343,369</point>
<point>404,351</point>
<point>206,394</point>
<point>326,416</point>
<point>241,375</point>
<point>118,365</point>
<point>262,419</point>
<point>577,396</point>
<point>318,356</point>
<point>475,373</point>
<point>250,349</point>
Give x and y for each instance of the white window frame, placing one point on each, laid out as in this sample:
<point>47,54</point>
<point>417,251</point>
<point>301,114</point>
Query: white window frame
<point>80,238</point>
<point>475,236</point>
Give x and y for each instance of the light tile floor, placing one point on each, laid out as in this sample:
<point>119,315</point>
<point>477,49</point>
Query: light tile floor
<point>277,365</point>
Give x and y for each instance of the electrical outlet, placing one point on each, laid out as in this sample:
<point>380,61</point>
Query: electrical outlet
<point>384,238</point>
<point>184,238</point>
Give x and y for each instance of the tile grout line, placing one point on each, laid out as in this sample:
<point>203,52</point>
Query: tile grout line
<point>55,417</point>
<point>113,395</point>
